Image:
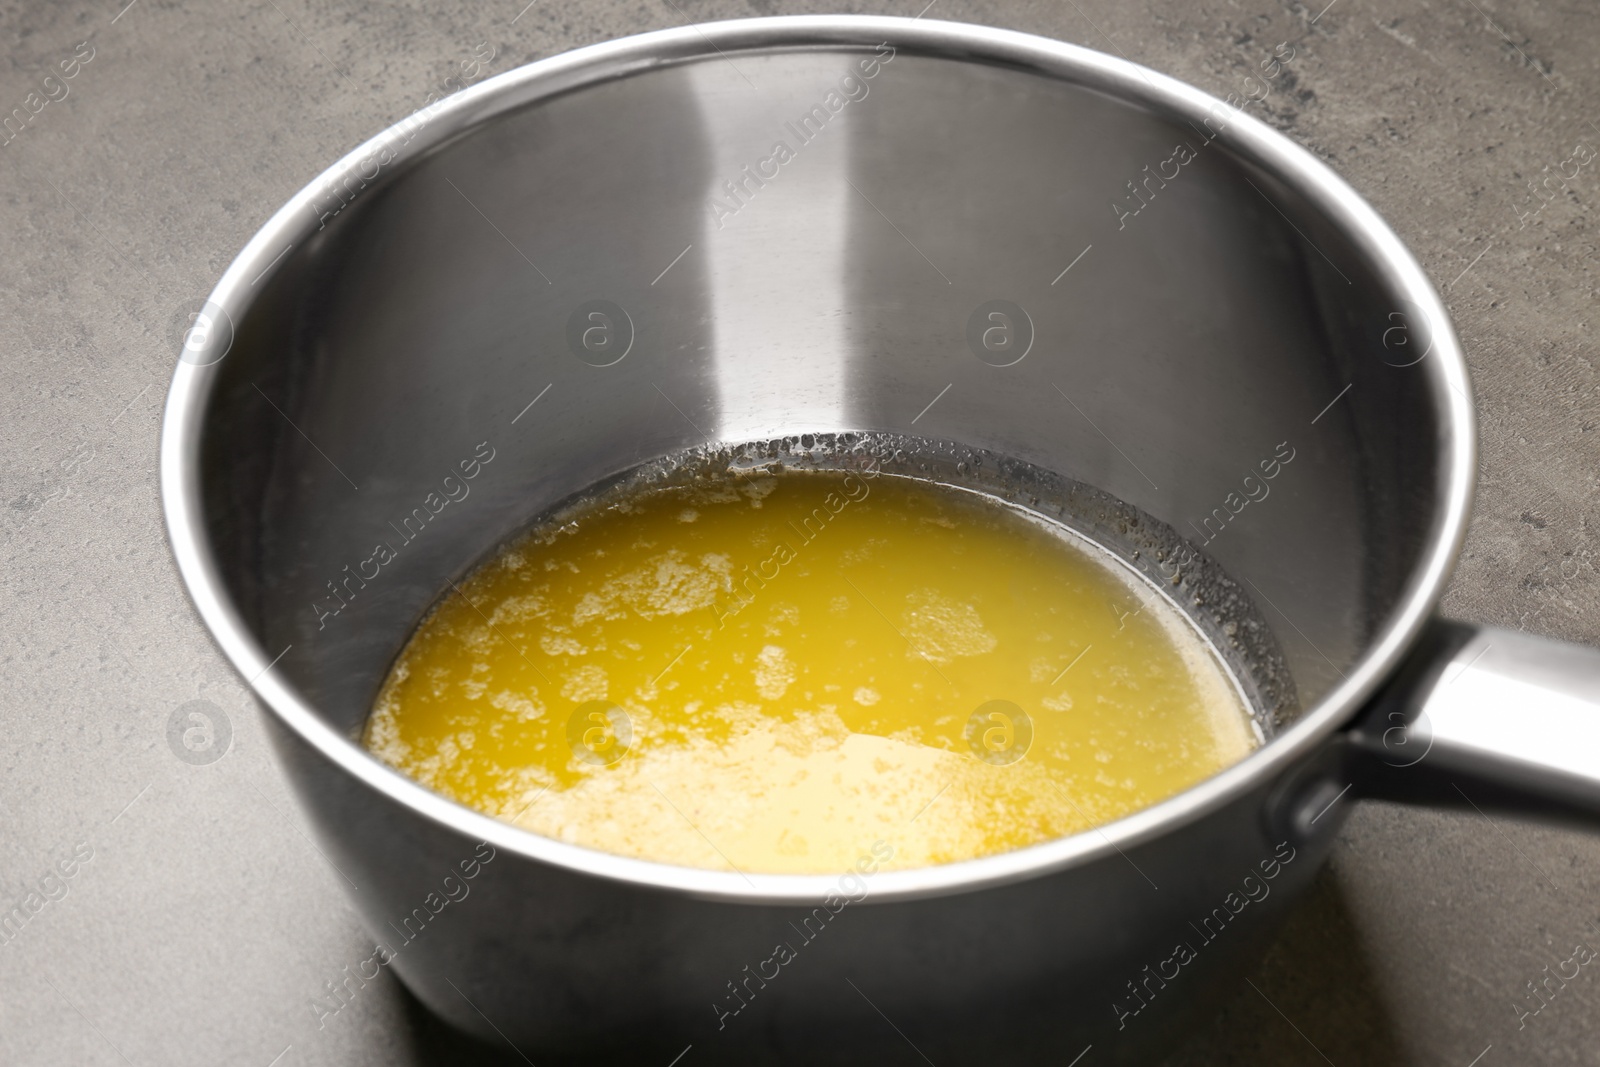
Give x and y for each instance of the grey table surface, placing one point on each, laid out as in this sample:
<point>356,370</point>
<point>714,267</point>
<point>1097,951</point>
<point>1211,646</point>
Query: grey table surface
<point>204,920</point>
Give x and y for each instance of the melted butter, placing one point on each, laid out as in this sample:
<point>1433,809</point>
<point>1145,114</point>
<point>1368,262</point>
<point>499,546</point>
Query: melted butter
<point>774,674</point>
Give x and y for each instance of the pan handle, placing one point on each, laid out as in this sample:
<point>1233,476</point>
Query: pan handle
<point>1487,719</point>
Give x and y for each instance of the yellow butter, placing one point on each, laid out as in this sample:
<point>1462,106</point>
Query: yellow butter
<point>772,673</point>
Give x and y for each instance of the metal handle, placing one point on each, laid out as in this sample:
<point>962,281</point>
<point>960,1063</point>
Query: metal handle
<point>1486,718</point>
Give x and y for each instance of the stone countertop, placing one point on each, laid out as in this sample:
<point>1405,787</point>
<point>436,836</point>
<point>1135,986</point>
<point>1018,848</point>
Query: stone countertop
<point>204,919</point>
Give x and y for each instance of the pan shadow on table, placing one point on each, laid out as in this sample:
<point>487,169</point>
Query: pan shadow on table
<point>1325,1007</point>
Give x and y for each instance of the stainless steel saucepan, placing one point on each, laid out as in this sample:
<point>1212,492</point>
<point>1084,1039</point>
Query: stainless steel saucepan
<point>787,230</point>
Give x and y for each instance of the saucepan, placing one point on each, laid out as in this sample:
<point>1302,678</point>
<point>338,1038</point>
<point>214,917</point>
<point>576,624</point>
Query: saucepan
<point>1137,306</point>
